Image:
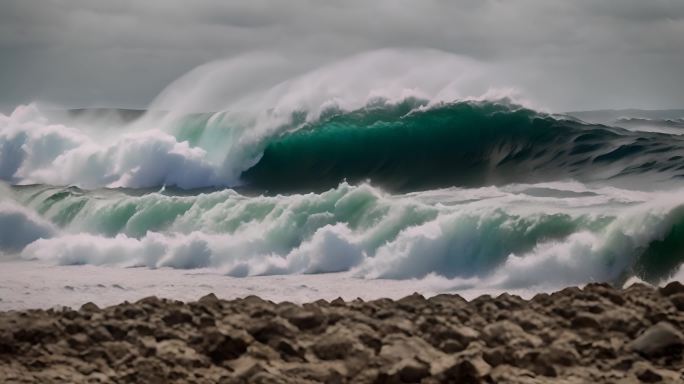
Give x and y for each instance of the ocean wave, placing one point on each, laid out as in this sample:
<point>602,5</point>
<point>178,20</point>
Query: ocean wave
<point>514,236</point>
<point>401,119</point>
<point>34,151</point>
<point>20,226</point>
<point>402,146</point>
<point>458,144</point>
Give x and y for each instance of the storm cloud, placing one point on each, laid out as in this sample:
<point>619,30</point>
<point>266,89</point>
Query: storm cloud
<point>561,54</point>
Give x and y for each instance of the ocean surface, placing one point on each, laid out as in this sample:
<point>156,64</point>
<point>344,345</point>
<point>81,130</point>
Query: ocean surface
<point>410,193</point>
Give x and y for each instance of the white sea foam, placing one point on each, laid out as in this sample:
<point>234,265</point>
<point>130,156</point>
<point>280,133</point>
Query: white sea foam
<point>35,151</point>
<point>499,237</point>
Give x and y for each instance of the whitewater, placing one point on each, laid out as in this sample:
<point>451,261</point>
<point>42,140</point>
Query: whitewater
<point>377,175</point>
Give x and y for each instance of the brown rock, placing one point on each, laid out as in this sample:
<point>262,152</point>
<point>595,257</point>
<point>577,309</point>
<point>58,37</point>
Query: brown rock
<point>177,316</point>
<point>338,302</point>
<point>264,330</point>
<point>672,288</point>
<point>209,298</point>
<point>37,331</point>
<point>411,371</point>
<point>560,354</point>
<point>398,347</point>
<point>304,319</point>
<point>412,302</point>
<point>177,352</point>
<point>90,307</point>
<point>646,373</point>
<point>509,333</point>
<point>677,300</point>
<point>221,347</point>
<point>586,320</point>
<point>467,370</point>
<point>336,345</point>
<point>658,340</point>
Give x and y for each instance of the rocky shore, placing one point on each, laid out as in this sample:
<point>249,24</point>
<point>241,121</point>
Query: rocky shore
<point>596,334</point>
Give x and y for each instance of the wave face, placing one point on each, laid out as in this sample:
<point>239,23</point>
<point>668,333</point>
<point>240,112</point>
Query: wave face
<point>458,144</point>
<point>521,235</point>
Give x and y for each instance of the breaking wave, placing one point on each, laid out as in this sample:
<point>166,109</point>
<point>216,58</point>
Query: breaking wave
<point>405,146</point>
<point>519,235</point>
<point>458,144</point>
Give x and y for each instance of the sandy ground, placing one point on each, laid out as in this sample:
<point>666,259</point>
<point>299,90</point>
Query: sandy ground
<point>30,284</point>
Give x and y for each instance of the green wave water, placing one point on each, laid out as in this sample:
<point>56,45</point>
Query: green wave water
<point>459,144</point>
<point>455,233</point>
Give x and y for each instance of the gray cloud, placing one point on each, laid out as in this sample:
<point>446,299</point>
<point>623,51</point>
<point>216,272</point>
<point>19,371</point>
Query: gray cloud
<point>562,54</point>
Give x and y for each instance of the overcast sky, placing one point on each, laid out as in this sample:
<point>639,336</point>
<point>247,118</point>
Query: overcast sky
<point>563,54</point>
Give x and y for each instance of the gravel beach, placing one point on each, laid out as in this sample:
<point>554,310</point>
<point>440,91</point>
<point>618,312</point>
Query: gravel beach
<point>595,334</point>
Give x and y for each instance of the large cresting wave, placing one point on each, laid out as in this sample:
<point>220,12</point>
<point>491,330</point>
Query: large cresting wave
<point>405,146</point>
<point>458,144</point>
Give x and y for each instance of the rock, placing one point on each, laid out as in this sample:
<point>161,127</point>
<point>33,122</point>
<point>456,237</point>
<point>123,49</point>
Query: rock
<point>658,340</point>
<point>117,351</point>
<point>304,319</point>
<point>678,301</point>
<point>672,288</point>
<point>177,316</point>
<point>412,302</point>
<point>132,313</point>
<point>447,301</point>
<point>221,347</point>
<point>338,302</point>
<point>320,372</point>
<point>457,338</point>
<point>409,371</point>
<point>207,321</point>
<point>509,333</point>
<point>36,332</point>
<point>247,368</point>
<point>78,340</point>
<point>147,370</point>
<point>89,307</point>
<point>573,336</point>
<point>7,343</point>
<point>209,298</point>
<point>607,349</point>
<point>447,337</point>
<point>397,347</point>
<point>646,373</point>
<point>151,301</point>
<point>177,352</point>
<point>289,350</point>
<point>560,354</point>
<point>471,369</point>
<point>586,320</point>
<point>335,345</point>
<point>265,329</point>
